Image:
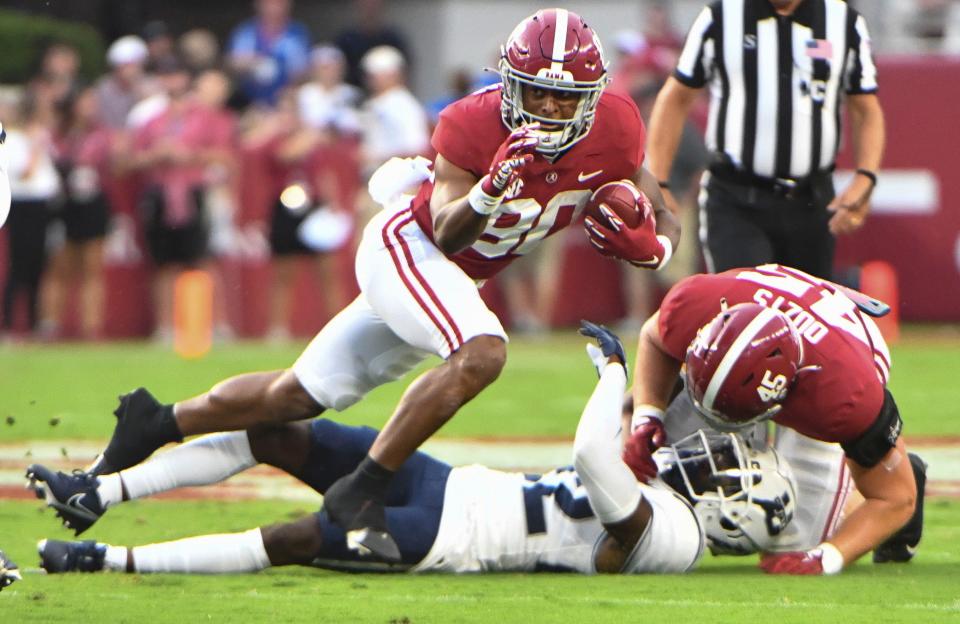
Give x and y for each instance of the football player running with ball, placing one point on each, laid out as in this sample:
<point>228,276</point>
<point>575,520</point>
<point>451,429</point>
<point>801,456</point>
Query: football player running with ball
<point>591,517</point>
<point>774,343</point>
<point>515,163</point>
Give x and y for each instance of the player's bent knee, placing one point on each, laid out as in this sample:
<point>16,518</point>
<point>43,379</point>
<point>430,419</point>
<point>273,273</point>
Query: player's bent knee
<point>284,445</point>
<point>297,542</point>
<point>287,400</point>
<point>480,360</point>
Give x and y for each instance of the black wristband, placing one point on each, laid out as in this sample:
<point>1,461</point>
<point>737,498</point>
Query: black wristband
<point>868,175</point>
<point>663,184</point>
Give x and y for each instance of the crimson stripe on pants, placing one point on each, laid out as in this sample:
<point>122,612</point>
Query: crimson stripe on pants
<point>425,285</point>
<point>391,247</point>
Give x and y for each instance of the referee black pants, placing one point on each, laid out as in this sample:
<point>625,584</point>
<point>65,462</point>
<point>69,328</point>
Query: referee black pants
<point>744,226</point>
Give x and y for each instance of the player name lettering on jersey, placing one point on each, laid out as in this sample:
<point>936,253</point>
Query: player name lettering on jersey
<point>810,328</point>
<point>795,294</point>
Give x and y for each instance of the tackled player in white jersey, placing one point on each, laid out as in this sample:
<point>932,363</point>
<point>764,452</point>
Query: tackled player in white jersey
<point>591,517</point>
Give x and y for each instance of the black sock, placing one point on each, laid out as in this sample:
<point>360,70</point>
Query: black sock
<point>373,479</point>
<point>168,431</point>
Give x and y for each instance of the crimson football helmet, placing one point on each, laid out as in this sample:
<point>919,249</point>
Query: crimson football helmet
<point>741,365</point>
<point>553,49</point>
<point>744,497</point>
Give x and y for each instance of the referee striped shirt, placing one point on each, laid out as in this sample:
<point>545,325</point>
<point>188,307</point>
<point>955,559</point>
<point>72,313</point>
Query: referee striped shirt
<point>777,82</point>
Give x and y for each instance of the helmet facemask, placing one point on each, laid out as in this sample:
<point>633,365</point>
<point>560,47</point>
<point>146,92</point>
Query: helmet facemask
<point>743,497</point>
<point>570,131</point>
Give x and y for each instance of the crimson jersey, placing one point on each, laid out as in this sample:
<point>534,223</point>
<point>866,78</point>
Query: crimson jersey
<point>553,194</point>
<point>838,402</point>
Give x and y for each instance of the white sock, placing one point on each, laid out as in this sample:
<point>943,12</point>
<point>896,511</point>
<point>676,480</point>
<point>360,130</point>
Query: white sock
<point>110,490</point>
<point>203,461</point>
<point>206,554</point>
<point>116,558</point>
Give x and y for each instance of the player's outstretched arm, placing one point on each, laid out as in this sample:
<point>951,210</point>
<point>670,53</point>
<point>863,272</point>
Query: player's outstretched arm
<point>611,487</point>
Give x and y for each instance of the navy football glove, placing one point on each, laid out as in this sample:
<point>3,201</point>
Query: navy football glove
<point>609,342</point>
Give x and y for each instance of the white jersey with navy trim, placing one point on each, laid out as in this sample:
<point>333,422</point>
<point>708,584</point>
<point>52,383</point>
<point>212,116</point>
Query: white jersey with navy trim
<point>498,521</point>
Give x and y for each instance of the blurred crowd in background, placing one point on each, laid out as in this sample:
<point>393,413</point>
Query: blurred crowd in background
<point>189,131</point>
<point>175,121</point>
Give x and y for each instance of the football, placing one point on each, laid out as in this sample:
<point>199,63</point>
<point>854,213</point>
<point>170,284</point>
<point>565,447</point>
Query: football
<point>622,198</point>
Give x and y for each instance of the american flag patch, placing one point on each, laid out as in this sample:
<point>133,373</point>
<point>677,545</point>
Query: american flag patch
<point>819,49</point>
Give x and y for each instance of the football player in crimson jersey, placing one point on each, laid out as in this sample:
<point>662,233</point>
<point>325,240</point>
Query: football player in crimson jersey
<point>514,164</point>
<point>775,343</point>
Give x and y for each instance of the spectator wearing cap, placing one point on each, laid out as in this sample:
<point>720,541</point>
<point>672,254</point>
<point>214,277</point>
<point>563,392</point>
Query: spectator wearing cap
<point>395,123</point>
<point>326,102</point>
<point>126,84</point>
<point>166,69</point>
<point>269,51</point>
<point>160,44</point>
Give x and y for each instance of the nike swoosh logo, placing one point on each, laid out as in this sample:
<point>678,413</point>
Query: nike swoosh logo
<point>74,502</point>
<point>653,261</point>
<point>583,177</point>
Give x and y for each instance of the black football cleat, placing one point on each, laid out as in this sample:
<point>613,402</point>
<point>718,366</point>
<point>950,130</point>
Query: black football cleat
<point>57,557</point>
<point>363,519</point>
<point>8,571</point>
<point>73,496</point>
<point>902,545</point>
<point>143,426</point>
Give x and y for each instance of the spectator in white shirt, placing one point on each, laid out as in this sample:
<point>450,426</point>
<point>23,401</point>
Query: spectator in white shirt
<point>395,123</point>
<point>327,102</point>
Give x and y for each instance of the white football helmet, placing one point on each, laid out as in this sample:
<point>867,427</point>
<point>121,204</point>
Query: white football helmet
<point>743,497</point>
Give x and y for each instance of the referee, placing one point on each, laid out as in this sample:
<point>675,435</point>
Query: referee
<point>779,72</point>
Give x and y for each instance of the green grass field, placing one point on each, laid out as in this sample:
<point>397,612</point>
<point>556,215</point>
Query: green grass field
<point>540,394</point>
